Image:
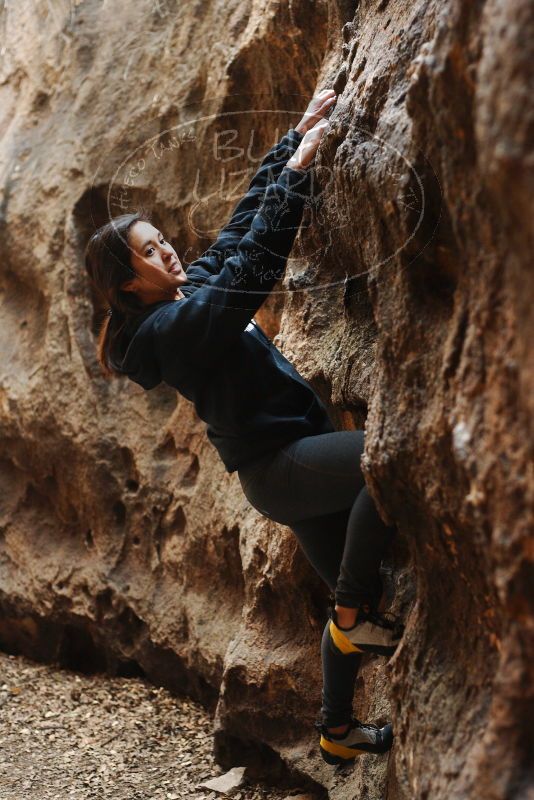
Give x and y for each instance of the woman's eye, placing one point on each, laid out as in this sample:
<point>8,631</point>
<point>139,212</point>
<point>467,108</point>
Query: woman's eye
<point>161,241</point>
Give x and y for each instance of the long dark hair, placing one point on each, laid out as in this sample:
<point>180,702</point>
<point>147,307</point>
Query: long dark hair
<point>108,264</point>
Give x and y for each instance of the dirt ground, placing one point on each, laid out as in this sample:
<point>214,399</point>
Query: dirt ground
<point>65,736</point>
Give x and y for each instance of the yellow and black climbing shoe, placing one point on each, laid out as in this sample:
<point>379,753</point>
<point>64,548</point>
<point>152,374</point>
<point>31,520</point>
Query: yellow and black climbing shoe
<point>359,738</point>
<point>373,632</point>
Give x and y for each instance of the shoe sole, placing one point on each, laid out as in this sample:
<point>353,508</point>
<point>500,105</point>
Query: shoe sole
<point>344,644</point>
<point>334,753</point>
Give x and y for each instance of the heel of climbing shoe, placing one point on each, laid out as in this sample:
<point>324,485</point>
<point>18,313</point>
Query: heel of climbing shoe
<point>328,757</point>
<point>332,758</point>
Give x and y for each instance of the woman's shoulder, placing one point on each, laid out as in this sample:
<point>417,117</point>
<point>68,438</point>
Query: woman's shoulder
<point>147,316</point>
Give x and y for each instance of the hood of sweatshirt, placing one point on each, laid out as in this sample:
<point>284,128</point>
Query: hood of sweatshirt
<point>138,360</point>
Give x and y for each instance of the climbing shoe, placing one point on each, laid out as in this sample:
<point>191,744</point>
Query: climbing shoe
<point>373,632</point>
<point>359,738</point>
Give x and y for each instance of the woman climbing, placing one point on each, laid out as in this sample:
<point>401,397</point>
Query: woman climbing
<point>193,330</point>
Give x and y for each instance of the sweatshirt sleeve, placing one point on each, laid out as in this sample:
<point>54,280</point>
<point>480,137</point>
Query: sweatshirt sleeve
<point>203,326</point>
<point>229,237</point>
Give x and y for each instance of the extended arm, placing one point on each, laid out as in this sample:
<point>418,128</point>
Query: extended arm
<point>203,326</point>
<point>212,260</point>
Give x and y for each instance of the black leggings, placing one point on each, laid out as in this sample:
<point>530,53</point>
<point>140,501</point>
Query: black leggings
<point>316,487</point>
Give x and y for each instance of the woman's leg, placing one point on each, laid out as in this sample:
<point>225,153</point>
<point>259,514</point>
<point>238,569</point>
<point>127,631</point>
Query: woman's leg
<point>367,540</point>
<point>295,487</point>
<point>317,476</point>
<point>339,675</point>
<point>339,669</point>
<point>308,477</point>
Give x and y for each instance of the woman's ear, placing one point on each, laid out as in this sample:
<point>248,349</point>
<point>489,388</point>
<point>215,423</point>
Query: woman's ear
<point>128,286</point>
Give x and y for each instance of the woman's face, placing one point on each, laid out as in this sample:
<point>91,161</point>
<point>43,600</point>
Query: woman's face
<point>159,270</point>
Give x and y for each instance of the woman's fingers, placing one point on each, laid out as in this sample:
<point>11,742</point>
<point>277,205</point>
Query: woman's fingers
<point>323,97</point>
<point>320,104</point>
<point>320,111</point>
<point>319,101</point>
<point>320,124</point>
<point>317,131</point>
<point>313,127</point>
<point>329,102</point>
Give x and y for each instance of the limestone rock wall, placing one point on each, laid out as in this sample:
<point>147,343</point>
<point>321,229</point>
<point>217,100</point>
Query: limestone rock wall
<point>124,545</point>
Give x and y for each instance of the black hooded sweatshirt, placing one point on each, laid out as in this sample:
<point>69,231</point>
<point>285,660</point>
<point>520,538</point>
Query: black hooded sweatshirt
<point>207,346</point>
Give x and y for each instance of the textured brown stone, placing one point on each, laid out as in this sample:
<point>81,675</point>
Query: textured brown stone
<point>408,304</point>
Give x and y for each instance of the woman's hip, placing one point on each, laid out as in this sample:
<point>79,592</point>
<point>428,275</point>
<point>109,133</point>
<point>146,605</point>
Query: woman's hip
<point>308,477</point>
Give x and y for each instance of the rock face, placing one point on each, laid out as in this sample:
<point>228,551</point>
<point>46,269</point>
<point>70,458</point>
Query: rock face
<point>409,304</point>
